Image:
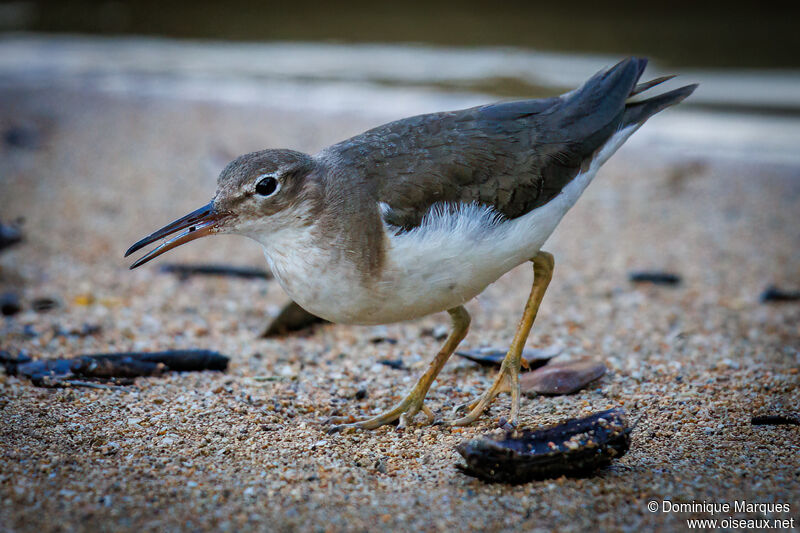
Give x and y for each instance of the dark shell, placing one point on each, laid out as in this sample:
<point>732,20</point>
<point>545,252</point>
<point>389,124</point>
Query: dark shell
<point>291,318</point>
<point>105,367</point>
<point>576,448</point>
<point>776,420</point>
<point>534,357</point>
<point>562,378</point>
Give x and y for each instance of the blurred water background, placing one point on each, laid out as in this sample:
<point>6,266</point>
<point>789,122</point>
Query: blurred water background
<point>392,60</point>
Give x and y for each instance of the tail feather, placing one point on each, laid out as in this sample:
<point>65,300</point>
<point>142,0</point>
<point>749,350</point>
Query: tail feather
<point>639,112</point>
<point>591,113</point>
<point>603,99</point>
<point>649,84</point>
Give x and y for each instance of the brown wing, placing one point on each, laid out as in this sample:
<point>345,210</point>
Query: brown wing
<point>513,156</point>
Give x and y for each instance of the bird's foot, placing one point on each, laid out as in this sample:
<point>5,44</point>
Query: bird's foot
<point>507,380</point>
<point>403,413</point>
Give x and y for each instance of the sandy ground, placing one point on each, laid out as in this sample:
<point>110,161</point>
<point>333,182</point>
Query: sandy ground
<point>249,449</point>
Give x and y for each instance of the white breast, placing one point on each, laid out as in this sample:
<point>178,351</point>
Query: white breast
<point>446,261</point>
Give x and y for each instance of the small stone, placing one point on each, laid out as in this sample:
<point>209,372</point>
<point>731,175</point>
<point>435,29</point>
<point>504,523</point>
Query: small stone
<point>25,135</point>
<point>380,334</point>
<point>83,299</point>
<point>397,364</point>
<point>9,304</point>
<point>10,234</point>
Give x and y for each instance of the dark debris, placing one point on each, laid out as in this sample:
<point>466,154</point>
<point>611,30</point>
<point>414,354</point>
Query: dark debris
<point>774,294</point>
<point>776,420</point>
<point>397,364</point>
<point>10,234</point>
<point>10,304</point>
<point>292,318</point>
<point>576,448</point>
<point>42,305</point>
<point>24,135</point>
<point>655,277</point>
<point>118,368</point>
<point>184,271</point>
<point>531,357</point>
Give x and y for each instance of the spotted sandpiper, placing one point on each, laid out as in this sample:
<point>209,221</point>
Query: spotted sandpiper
<point>420,215</point>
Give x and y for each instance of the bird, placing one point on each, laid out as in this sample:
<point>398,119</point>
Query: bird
<point>420,215</point>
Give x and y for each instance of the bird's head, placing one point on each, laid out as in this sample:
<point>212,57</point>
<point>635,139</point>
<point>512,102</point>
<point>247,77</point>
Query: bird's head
<point>258,194</point>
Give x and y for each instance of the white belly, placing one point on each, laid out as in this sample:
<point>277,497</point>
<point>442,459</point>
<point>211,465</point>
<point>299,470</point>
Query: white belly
<point>446,261</point>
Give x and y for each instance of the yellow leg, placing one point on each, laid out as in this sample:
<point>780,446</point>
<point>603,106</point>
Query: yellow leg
<point>412,404</point>
<point>508,377</point>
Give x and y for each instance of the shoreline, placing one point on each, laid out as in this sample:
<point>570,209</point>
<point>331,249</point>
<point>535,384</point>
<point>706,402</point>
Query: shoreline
<point>744,114</point>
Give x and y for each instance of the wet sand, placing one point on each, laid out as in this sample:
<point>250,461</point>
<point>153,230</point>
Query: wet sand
<point>249,448</point>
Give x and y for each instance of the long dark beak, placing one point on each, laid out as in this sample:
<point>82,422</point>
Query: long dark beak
<point>199,223</point>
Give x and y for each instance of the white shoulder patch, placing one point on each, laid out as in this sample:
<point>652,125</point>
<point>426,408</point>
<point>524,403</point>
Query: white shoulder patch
<point>384,209</point>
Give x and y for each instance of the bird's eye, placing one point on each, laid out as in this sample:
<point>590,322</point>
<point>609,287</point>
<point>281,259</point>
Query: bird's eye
<point>267,186</point>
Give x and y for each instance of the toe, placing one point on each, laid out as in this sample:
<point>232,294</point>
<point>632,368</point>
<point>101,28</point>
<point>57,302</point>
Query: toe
<point>429,414</point>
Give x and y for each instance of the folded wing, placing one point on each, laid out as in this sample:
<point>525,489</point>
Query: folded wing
<point>513,156</point>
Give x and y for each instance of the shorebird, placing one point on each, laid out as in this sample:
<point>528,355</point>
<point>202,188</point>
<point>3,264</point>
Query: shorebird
<point>420,215</point>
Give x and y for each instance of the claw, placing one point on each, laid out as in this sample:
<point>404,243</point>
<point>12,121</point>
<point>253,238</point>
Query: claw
<point>403,415</point>
<point>429,414</point>
<point>335,429</point>
<point>466,406</point>
<point>407,417</point>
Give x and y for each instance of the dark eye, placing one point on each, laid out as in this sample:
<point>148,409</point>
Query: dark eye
<point>267,186</point>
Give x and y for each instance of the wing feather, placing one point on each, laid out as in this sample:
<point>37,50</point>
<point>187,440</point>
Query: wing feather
<point>512,157</point>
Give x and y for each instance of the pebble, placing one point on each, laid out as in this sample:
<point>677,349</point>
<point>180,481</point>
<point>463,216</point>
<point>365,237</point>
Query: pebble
<point>10,304</point>
<point>26,135</point>
<point>10,234</point>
